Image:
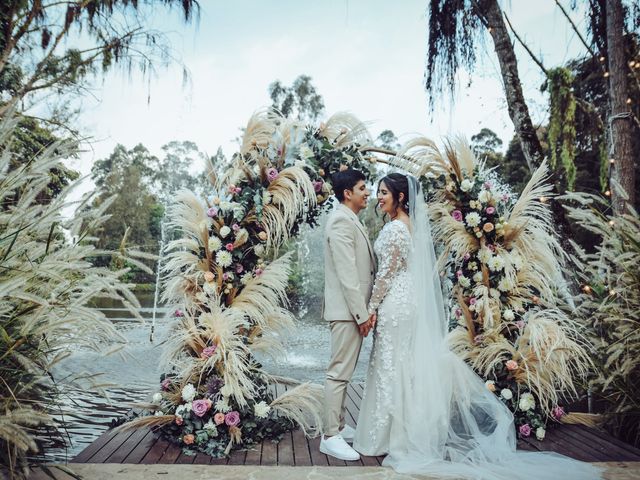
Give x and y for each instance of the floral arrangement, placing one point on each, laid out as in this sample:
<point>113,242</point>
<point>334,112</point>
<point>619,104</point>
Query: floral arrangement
<point>227,285</point>
<point>504,267</point>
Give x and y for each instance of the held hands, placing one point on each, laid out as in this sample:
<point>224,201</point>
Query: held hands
<point>368,325</point>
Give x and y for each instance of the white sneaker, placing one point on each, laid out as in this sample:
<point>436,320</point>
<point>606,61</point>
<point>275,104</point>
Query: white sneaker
<point>348,433</point>
<point>337,447</point>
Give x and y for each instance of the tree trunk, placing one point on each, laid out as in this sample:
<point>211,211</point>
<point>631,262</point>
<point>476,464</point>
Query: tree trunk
<point>620,127</point>
<point>518,110</point>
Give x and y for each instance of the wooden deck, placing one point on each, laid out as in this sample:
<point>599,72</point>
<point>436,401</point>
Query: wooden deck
<point>144,447</point>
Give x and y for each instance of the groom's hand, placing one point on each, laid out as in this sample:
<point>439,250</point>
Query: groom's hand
<point>365,327</point>
<point>373,318</point>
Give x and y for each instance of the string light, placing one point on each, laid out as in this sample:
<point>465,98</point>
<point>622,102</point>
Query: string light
<point>632,64</point>
<point>586,289</point>
<point>601,59</point>
<point>612,161</point>
<point>490,29</point>
<point>543,199</point>
<point>612,223</point>
<point>606,74</point>
<point>612,292</point>
<point>628,101</point>
<point>608,193</point>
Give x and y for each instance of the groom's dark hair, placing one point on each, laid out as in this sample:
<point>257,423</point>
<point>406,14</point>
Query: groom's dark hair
<point>345,180</point>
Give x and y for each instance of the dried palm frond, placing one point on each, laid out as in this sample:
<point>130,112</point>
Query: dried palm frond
<point>420,156</point>
<point>303,405</point>
<point>344,129</point>
<point>259,130</point>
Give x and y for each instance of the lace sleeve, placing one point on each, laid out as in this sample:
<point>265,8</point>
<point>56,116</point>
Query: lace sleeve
<point>394,244</point>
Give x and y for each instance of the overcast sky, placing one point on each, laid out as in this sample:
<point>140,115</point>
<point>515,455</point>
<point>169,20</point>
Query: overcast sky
<point>364,56</point>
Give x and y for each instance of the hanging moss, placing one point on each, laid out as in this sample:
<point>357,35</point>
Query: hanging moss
<point>604,163</point>
<point>562,123</point>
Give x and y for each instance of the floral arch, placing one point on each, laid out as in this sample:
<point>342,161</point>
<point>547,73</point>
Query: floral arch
<point>226,281</point>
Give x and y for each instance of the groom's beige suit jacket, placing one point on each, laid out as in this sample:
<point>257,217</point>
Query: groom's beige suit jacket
<point>349,267</point>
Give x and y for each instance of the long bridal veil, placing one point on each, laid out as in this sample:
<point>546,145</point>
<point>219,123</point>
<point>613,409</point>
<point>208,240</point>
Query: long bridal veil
<point>453,425</point>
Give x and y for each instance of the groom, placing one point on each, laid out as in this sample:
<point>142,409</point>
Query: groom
<point>349,275</point>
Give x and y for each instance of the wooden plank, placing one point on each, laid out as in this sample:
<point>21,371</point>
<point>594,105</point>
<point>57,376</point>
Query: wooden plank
<point>237,457</point>
<point>145,445</point>
<point>301,453</point>
<point>595,453</point>
<point>269,453</point>
<point>285,451</point>
<point>602,437</point>
<point>201,459</point>
<point>608,449</point>
<point>254,455</point>
<point>185,459</point>
<point>556,443</point>
<point>105,452</point>
<point>218,461</point>
<point>171,454</point>
<point>156,452</point>
<point>128,446</point>
<point>318,458</point>
<point>94,447</point>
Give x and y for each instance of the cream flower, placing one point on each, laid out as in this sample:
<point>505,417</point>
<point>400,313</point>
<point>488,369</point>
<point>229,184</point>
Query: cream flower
<point>259,250</point>
<point>505,285</point>
<point>484,255</point>
<point>222,405</point>
<point>477,277</point>
<point>506,394</point>
<point>527,402</point>
<point>225,231</point>
<point>491,385</point>
<point>508,315</point>
<point>246,278</point>
<point>188,392</point>
<point>496,263</point>
<point>224,258</point>
<point>305,151</point>
<point>266,198</point>
<point>464,281</point>
<point>157,397</point>
<point>472,219</point>
<point>485,196</point>
<point>466,185</point>
<point>261,409</point>
<point>540,433</point>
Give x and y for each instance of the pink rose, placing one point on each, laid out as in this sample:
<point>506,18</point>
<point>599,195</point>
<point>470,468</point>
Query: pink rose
<point>212,212</point>
<point>457,215</point>
<point>317,186</point>
<point>178,313</point>
<point>459,273</point>
<point>490,210</point>
<point>239,268</point>
<point>208,351</point>
<point>188,439</point>
<point>218,418</point>
<point>458,312</point>
<point>558,412</point>
<point>165,384</point>
<point>232,418</point>
<point>272,174</point>
<point>491,247</point>
<point>229,247</point>
<point>525,430</point>
<point>258,272</point>
<point>200,407</point>
<point>520,324</point>
<point>225,276</point>
<point>179,420</point>
<point>511,365</point>
<point>472,301</point>
<point>235,227</point>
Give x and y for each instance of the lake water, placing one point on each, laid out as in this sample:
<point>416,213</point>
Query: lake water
<point>134,374</point>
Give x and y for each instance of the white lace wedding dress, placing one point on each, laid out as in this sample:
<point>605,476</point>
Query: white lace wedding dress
<point>423,406</point>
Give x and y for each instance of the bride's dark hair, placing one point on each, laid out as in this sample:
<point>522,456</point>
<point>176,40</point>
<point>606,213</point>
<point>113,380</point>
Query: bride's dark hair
<point>397,183</point>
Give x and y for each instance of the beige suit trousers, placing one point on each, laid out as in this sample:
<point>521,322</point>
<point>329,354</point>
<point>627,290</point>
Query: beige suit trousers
<point>346,343</point>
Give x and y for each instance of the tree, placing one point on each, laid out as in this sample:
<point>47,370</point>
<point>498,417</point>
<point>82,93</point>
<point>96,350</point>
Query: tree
<point>387,140</point>
<point>39,40</point>
<point>300,101</point>
<point>454,29</point>
<point>486,143</point>
<point>173,169</point>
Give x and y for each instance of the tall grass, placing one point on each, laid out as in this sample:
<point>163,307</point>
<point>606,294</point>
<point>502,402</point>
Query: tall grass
<point>47,284</point>
<point>610,304</point>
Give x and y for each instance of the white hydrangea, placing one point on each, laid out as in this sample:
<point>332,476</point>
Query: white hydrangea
<point>157,397</point>
<point>224,258</point>
<point>508,315</point>
<point>485,196</point>
<point>180,410</point>
<point>472,219</point>
<point>527,402</point>
<point>225,231</point>
<point>222,405</point>
<point>214,244</point>
<point>540,433</point>
<point>238,212</point>
<point>477,277</point>
<point>261,409</point>
<point>506,394</point>
<point>466,185</point>
<point>188,392</point>
<point>496,263</point>
<point>464,281</point>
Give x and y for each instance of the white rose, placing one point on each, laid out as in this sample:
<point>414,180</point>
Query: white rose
<point>466,185</point>
<point>485,196</point>
<point>188,392</point>
<point>159,413</point>
<point>261,409</point>
<point>540,433</point>
<point>472,219</point>
<point>157,397</point>
<point>259,250</point>
<point>305,151</point>
<point>508,315</point>
<point>180,410</point>
<point>506,394</point>
<point>224,231</point>
<point>214,244</point>
<point>527,402</point>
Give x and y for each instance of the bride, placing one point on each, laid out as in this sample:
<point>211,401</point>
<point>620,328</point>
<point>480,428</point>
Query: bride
<point>423,406</point>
